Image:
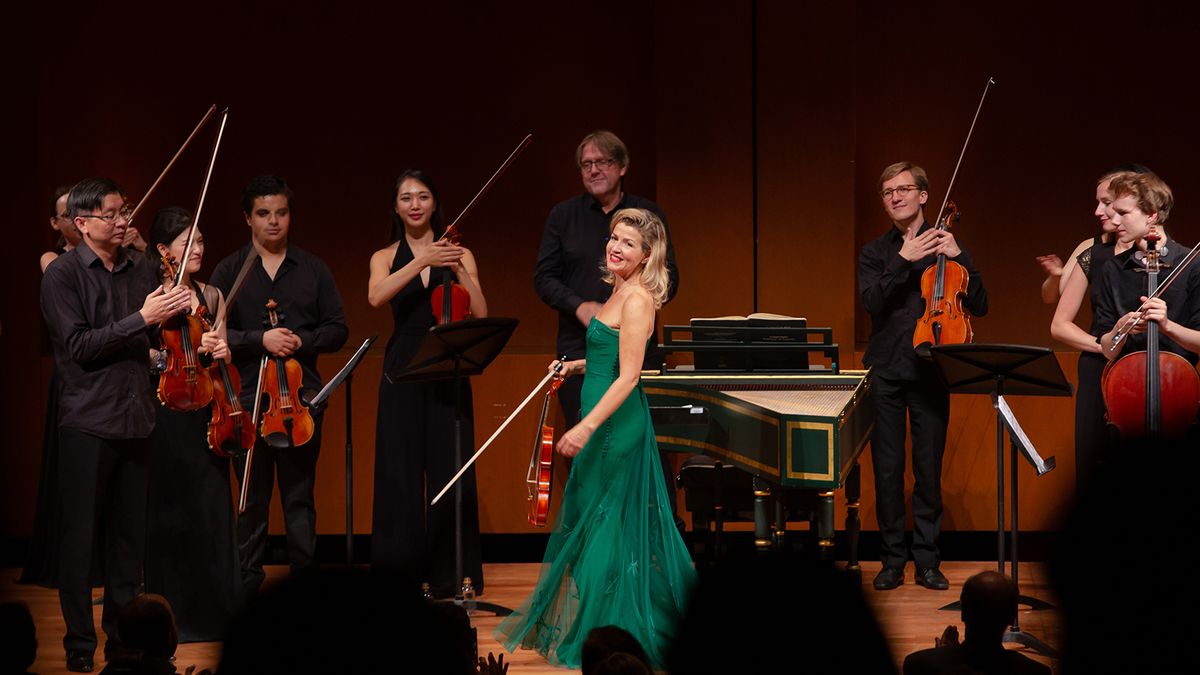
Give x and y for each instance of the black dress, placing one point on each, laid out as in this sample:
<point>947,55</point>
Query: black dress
<point>414,456</point>
<point>1092,435</point>
<point>191,549</point>
<point>41,562</point>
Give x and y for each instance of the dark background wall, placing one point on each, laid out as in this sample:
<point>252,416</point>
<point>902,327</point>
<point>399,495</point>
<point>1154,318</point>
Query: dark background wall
<point>761,128</point>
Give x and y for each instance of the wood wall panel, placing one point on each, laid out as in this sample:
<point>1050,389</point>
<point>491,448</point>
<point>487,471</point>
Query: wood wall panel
<point>340,102</point>
<point>805,164</point>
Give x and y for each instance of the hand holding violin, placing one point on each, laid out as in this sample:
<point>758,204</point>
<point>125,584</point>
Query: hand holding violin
<point>280,342</point>
<point>212,343</point>
<point>1155,309</point>
<point>161,304</point>
<point>443,254</point>
<point>569,368</point>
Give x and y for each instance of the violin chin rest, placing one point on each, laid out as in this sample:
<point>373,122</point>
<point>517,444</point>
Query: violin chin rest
<point>277,440</point>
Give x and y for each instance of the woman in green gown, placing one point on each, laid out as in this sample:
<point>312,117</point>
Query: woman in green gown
<point>615,556</point>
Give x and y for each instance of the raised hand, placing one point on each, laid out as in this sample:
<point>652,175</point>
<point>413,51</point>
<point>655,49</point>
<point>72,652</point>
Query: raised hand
<point>161,305</point>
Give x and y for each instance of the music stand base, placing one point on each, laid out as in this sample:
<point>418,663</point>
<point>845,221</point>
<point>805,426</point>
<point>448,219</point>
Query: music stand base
<point>1034,604</point>
<point>480,607</point>
<point>1028,641</point>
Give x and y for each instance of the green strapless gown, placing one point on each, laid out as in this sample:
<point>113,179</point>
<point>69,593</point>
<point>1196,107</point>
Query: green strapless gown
<point>614,557</point>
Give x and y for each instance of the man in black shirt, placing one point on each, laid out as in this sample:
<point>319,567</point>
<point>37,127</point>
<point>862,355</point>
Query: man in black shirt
<point>95,302</point>
<point>312,321</point>
<point>1140,201</point>
<point>889,282</point>
<point>567,275</point>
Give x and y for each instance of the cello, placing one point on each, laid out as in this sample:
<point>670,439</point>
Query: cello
<point>1151,393</point>
<point>943,320</point>
<point>285,421</point>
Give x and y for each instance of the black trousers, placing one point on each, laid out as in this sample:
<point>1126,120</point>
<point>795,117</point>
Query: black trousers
<point>927,403</point>
<point>1093,438</point>
<point>102,486</point>
<point>296,469</point>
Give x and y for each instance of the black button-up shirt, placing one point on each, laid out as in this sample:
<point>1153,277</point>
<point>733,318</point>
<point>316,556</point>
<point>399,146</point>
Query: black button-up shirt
<point>1123,282</point>
<point>890,288</point>
<point>308,304</point>
<point>101,343</point>
<point>570,258</point>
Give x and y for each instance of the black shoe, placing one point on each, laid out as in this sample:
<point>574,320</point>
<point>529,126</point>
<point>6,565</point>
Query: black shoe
<point>79,661</point>
<point>889,578</point>
<point>932,578</point>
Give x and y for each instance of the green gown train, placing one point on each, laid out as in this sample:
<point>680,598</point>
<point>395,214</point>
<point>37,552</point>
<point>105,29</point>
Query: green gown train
<point>614,556</point>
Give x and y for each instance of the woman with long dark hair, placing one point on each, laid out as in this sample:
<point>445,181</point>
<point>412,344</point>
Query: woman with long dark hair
<point>191,550</point>
<point>414,433</point>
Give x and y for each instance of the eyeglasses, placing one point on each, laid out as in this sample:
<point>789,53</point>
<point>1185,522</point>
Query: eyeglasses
<point>124,214</point>
<point>901,190</point>
<point>598,163</point>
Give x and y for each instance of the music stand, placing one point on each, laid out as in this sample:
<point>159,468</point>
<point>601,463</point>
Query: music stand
<point>346,374</point>
<point>453,351</point>
<point>1000,370</point>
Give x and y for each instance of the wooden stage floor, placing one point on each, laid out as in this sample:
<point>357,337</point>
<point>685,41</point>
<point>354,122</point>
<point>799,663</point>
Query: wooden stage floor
<point>909,615</point>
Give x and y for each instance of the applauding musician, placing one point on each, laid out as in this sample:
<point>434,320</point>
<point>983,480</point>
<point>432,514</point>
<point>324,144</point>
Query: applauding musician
<point>95,302</point>
<point>889,282</point>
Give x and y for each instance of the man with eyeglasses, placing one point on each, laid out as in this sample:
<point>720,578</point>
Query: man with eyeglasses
<point>100,301</point>
<point>889,282</point>
<point>567,274</point>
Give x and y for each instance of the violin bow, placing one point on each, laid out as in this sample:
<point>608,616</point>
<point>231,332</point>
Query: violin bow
<point>950,187</point>
<point>262,367</point>
<point>451,232</point>
<point>191,238</point>
<point>496,433</point>
<point>1129,325</point>
<point>211,109</point>
<point>238,282</point>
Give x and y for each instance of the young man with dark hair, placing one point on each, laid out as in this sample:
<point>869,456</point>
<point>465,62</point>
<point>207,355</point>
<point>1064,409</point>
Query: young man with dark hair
<point>99,301</point>
<point>889,283</point>
<point>312,321</point>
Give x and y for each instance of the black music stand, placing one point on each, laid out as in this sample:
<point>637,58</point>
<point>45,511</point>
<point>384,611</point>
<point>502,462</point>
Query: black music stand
<point>316,403</point>
<point>998,370</point>
<point>456,350</point>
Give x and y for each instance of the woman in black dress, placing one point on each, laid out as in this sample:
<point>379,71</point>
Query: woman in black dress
<point>414,433</point>
<point>1091,426</point>
<point>191,554</point>
<point>41,563</point>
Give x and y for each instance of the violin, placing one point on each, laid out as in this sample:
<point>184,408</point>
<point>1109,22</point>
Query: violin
<point>539,479</point>
<point>1151,393</point>
<point>450,301</point>
<point>285,421</point>
<point>230,431</point>
<point>185,383</point>
<point>944,283</point>
<point>943,286</point>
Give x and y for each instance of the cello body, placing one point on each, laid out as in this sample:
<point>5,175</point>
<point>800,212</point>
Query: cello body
<point>1123,386</point>
<point>1151,393</point>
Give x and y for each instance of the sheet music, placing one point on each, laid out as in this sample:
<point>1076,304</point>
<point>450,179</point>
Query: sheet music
<point>1015,430</point>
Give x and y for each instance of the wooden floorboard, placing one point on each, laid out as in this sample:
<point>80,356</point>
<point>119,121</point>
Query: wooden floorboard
<point>909,616</point>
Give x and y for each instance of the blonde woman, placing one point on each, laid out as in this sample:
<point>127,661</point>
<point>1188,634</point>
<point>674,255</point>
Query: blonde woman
<point>615,556</point>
